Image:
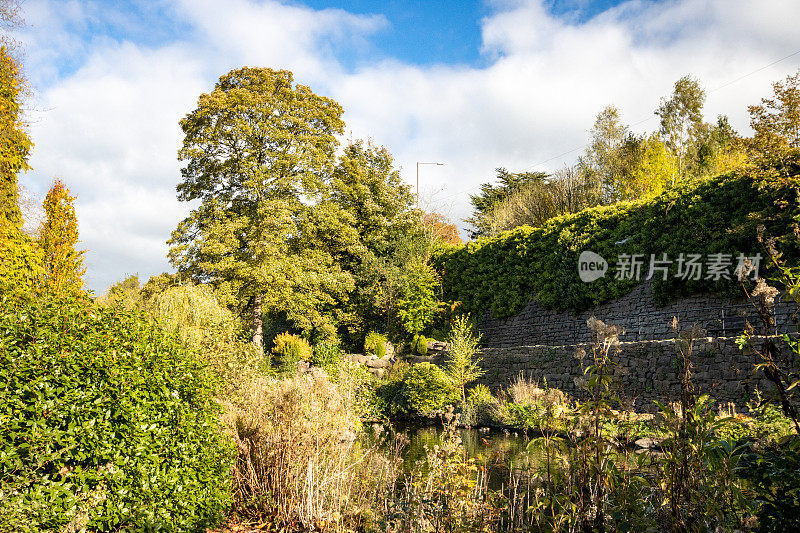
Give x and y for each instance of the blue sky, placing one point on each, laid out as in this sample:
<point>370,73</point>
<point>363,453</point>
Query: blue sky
<point>474,84</point>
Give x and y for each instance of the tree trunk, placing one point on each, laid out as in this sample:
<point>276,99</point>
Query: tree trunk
<point>258,321</point>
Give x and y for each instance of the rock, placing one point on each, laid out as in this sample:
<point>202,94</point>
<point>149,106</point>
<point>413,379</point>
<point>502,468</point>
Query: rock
<point>359,358</point>
<point>647,443</point>
<point>378,363</point>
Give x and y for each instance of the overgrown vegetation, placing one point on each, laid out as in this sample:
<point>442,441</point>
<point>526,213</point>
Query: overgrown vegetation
<point>158,408</point>
<point>108,422</point>
<point>714,215</point>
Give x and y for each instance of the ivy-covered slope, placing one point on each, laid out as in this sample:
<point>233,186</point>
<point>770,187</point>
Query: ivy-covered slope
<point>714,215</point>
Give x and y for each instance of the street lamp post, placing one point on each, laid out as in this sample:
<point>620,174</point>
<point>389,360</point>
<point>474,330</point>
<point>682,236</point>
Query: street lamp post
<point>418,164</point>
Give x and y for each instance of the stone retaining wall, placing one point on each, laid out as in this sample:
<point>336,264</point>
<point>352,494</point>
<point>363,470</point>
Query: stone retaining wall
<point>643,371</point>
<point>636,313</point>
<point>541,344</point>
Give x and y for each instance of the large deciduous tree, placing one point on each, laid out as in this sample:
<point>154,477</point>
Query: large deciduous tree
<point>20,261</point>
<point>63,263</point>
<point>257,151</point>
<point>603,161</point>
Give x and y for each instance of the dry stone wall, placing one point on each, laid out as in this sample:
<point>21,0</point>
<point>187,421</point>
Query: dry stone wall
<point>636,313</point>
<point>643,371</point>
<point>541,344</point>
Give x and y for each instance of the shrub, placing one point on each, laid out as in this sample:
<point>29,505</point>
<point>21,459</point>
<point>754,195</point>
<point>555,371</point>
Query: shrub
<point>420,344</point>
<point>375,343</point>
<point>478,408</point>
<point>462,365</point>
<point>108,423</point>
<point>327,356</point>
<point>290,350</point>
<point>390,396</point>
<point>357,387</point>
<point>480,396</point>
<point>417,304</point>
<point>204,324</point>
<point>427,388</point>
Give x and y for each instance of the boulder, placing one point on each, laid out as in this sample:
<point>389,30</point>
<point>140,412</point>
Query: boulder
<point>379,363</point>
<point>647,443</point>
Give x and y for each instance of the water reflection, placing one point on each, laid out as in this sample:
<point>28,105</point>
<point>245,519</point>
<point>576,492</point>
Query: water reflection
<point>503,454</point>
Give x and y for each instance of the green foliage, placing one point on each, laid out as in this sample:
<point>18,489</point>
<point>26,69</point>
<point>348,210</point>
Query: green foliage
<point>417,305</point>
<point>682,122</point>
<point>419,344</point>
<point>493,194</point>
<point>204,324</point>
<point>462,365</point>
<point>774,473</point>
<point>368,187</point>
<point>15,144</point>
<point>375,343</point>
<point>480,395</point>
<point>125,294</point>
<point>63,263</point>
<point>107,421</point>
<point>265,223</point>
<point>427,388</point>
<point>20,263</point>
<point>776,123</point>
<point>720,214</point>
<point>328,356</point>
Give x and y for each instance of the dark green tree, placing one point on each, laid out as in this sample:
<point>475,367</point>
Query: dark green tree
<point>369,188</point>
<point>493,193</point>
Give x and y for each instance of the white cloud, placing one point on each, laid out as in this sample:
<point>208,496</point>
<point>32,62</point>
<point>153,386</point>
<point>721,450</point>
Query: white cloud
<point>109,124</point>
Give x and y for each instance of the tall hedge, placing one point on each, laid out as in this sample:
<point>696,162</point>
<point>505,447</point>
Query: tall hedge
<point>107,423</point>
<point>719,214</point>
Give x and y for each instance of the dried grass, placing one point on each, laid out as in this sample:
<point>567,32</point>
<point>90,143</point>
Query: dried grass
<point>526,391</point>
<point>299,464</point>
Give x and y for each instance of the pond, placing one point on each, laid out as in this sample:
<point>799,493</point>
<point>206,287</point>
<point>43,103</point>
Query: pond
<point>502,452</point>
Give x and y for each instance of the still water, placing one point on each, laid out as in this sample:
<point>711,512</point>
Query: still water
<point>502,453</point>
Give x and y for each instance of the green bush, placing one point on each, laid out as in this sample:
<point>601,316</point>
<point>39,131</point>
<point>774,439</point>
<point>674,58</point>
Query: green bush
<point>327,356</point>
<point>421,345</point>
<point>108,423</point>
<point>390,399</point>
<point>719,214</point>
<point>480,396</point>
<point>427,388</point>
<point>375,343</point>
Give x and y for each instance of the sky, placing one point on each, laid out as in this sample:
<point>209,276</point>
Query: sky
<point>475,85</point>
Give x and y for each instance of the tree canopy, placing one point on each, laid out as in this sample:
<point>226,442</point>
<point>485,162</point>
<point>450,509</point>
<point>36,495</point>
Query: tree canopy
<point>257,150</point>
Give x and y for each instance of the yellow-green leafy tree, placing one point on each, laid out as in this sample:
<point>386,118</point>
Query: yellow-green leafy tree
<point>20,265</point>
<point>258,149</point>
<point>776,123</point>
<point>63,262</point>
<point>682,127</point>
<point>653,169</point>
